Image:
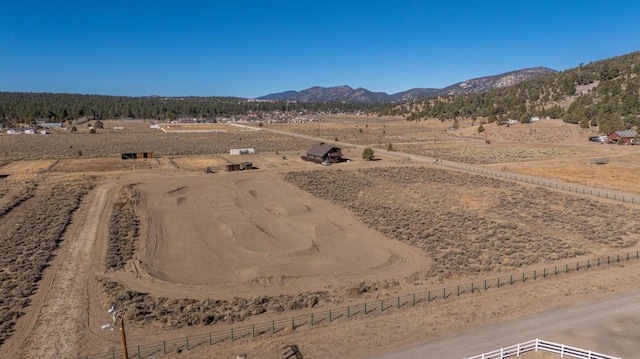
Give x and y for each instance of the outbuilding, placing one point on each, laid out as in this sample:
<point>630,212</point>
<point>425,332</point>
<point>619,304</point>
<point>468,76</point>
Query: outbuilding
<point>622,136</point>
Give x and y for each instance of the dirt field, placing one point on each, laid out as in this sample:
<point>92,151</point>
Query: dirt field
<point>340,234</point>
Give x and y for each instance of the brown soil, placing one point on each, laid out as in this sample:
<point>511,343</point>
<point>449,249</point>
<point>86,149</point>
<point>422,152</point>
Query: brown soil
<point>245,234</point>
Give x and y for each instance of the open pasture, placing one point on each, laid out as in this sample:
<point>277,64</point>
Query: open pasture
<point>293,236</point>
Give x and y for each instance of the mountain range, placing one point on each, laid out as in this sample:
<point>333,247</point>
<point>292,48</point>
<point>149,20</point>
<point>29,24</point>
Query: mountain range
<point>347,94</point>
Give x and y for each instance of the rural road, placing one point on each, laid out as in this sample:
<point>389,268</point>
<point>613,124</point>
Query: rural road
<point>590,327</point>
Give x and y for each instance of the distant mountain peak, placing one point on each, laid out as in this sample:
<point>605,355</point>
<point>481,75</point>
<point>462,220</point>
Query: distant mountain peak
<point>348,94</point>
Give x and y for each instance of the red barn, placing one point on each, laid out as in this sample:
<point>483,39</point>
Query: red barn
<point>624,136</point>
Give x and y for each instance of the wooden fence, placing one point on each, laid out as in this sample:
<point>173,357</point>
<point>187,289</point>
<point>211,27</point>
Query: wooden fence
<point>541,345</point>
<point>273,327</point>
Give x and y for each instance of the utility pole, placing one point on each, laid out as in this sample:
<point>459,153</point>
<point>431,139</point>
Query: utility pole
<point>118,319</point>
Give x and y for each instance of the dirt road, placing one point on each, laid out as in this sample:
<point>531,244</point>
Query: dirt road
<point>609,327</point>
<point>60,306</point>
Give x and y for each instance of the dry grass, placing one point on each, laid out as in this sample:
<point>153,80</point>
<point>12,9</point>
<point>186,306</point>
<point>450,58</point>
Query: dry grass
<point>471,224</point>
<point>199,163</point>
<point>176,313</point>
<point>123,229</point>
<point>111,144</point>
<point>28,246</point>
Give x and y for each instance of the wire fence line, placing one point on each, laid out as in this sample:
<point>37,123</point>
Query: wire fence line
<point>357,310</point>
<point>616,196</point>
<point>551,184</point>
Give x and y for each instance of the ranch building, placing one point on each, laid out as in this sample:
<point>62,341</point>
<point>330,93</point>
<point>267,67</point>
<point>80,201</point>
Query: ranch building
<point>621,136</point>
<point>136,155</point>
<point>323,152</point>
<point>239,166</point>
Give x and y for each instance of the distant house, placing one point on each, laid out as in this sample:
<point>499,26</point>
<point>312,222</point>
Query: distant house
<point>534,119</point>
<point>23,130</point>
<point>51,125</point>
<point>323,152</point>
<point>624,136</point>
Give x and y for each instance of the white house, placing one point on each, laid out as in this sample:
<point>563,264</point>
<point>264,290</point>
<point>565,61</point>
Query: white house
<point>242,151</point>
<point>11,131</point>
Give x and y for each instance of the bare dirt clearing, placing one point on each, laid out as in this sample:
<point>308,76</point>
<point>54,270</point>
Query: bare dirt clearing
<point>252,234</point>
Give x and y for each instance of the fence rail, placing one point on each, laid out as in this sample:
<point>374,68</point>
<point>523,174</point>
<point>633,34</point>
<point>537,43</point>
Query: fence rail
<point>362,309</point>
<point>541,345</point>
<point>546,183</point>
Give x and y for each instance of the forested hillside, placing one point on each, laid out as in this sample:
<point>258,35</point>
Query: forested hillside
<point>604,93</point>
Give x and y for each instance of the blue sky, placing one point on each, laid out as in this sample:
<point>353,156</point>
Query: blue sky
<point>253,48</point>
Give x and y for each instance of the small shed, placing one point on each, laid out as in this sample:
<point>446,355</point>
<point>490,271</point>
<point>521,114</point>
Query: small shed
<point>239,166</point>
<point>242,151</point>
<point>136,155</point>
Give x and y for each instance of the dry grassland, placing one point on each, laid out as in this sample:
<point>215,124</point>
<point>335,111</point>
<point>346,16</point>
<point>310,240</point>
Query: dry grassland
<point>112,143</point>
<point>28,244</point>
<point>183,249</point>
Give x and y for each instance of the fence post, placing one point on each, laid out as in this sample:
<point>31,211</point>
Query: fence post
<point>253,329</point>
<point>444,293</point>
<point>566,268</point>
<point>535,275</point>
<point>598,262</point>
<point>348,312</point>
<point>485,284</point>
<point>293,323</point>
<point>210,339</point>
<point>608,260</point>
<point>312,319</point>
<point>399,300</point>
<point>544,273</point>
<point>555,270</point>
<point>113,354</point>
<point>141,357</point>
<point>381,305</point>
<point>414,299</point>
<point>498,282</point>
<point>471,287</point>
<point>523,278</point>
<point>618,258</point>
<point>273,327</point>
<point>232,335</point>
<point>588,264</point>
<point>458,290</point>
<point>577,266</point>
<point>330,319</point>
<point>164,347</point>
<point>511,280</point>
<point>365,308</point>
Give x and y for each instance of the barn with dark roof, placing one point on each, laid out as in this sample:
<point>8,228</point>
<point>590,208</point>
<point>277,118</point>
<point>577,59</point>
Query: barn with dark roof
<point>323,152</point>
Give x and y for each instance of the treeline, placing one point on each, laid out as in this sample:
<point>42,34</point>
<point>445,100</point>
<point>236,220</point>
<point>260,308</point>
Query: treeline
<point>25,107</point>
<point>603,93</point>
